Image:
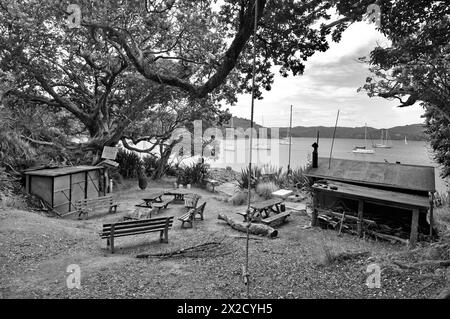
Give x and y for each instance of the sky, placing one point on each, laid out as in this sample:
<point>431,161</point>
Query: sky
<point>329,84</point>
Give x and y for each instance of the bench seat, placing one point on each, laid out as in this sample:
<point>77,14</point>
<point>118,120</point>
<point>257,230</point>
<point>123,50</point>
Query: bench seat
<point>85,206</point>
<point>136,227</point>
<point>191,215</point>
<point>276,219</point>
<point>162,205</point>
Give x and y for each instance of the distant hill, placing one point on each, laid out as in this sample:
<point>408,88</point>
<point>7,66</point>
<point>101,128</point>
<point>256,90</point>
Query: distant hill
<point>413,132</point>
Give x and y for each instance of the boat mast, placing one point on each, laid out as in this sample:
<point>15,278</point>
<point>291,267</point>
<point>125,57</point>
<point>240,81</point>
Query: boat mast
<point>365,134</point>
<point>290,142</point>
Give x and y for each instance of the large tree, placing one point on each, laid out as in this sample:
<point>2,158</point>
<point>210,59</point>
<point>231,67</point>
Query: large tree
<point>126,61</point>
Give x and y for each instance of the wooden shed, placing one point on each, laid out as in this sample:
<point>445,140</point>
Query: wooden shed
<point>61,187</point>
<point>389,191</point>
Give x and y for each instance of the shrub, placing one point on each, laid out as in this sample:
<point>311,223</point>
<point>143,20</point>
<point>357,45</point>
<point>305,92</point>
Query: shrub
<point>129,163</point>
<point>256,176</point>
<point>266,189</point>
<point>150,164</point>
<point>142,178</point>
<point>297,177</point>
<point>193,174</point>
<point>276,175</point>
<point>241,198</point>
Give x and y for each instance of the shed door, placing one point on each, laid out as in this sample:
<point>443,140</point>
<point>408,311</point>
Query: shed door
<point>78,187</point>
<point>93,184</point>
<point>61,194</point>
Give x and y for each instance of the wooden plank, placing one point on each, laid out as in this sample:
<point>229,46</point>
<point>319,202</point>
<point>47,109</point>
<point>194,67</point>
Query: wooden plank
<point>396,176</point>
<point>376,195</point>
<point>266,203</point>
<point>360,218</point>
<point>142,221</point>
<point>124,228</point>
<point>414,228</point>
<point>431,216</point>
<point>137,232</point>
<point>315,213</point>
<point>273,218</point>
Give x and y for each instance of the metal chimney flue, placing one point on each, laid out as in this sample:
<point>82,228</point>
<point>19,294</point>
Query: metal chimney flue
<point>315,156</point>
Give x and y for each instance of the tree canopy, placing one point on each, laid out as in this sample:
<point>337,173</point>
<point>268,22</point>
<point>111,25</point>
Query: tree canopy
<point>415,67</point>
<point>130,64</point>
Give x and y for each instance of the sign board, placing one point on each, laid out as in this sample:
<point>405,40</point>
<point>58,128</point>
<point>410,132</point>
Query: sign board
<point>109,152</point>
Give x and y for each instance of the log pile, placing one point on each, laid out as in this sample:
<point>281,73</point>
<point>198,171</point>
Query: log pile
<point>377,228</point>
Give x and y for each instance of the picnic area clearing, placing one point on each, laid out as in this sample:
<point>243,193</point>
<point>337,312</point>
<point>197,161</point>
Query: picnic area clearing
<point>36,251</point>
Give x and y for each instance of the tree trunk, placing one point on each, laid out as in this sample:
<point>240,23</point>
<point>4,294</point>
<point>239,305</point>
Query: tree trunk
<point>256,229</point>
<point>161,169</point>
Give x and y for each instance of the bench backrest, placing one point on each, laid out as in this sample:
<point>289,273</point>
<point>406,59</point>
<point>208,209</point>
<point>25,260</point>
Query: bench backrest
<point>137,226</point>
<point>94,202</point>
<point>201,208</point>
<point>191,200</point>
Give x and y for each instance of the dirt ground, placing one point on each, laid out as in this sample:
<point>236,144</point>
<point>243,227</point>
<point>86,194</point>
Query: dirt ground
<point>35,252</point>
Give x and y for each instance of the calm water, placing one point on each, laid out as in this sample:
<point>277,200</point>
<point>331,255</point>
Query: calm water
<point>415,152</point>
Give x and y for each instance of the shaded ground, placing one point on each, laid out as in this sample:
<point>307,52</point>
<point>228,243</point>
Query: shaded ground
<point>36,250</point>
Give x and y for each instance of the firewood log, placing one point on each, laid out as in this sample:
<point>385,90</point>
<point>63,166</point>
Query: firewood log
<point>255,229</point>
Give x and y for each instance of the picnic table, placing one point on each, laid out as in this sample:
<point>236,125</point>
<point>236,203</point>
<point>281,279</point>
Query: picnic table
<point>151,198</point>
<point>177,193</point>
<point>262,209</point>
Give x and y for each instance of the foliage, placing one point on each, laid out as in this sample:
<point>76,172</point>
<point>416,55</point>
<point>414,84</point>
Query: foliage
<point>416,65</point>
<point>297,177</point>
<point>255,177</point>
<point>241,197</point>
<point>265,189</point>
<point>5,186</point>
<point>187,56</point>
<point>437,128</point>
<point>273,175</point>
<point>193,174</point>
<point>129,163</point>
<point>15,153</point>
<point>150,164</point>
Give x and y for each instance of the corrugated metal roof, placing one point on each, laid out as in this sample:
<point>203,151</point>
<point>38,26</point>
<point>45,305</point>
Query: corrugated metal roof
<point>399,176</point>
<point>53,172</point>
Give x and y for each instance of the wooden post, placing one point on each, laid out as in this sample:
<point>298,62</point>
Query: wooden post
<point>360,218</point>
<point>165,239</point>
<point>315,212</point>
<point>111,238</point>
<point>431,216</point>
<point>414,228</point>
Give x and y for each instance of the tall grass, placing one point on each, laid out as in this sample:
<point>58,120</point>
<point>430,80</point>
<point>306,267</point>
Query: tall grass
<point>275,175</point>
<point>265,189</point>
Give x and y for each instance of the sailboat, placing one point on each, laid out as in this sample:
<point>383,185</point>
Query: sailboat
<point>362,149</point>
<point>287,140</point>
<point>384,141</point>
<point>260,145</point>
<point>406,142</point>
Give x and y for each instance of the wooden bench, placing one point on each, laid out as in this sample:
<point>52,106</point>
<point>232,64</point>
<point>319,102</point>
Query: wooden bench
<point>276,219</point>
<point>161,205</point>
<point>191,215</point>
<point>191,200</point>
<point>137,227</point>
<point>84,206</point>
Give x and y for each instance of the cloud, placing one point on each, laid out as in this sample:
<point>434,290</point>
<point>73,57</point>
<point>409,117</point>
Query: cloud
<point>330,82</point>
